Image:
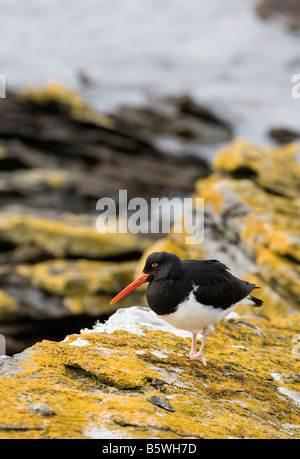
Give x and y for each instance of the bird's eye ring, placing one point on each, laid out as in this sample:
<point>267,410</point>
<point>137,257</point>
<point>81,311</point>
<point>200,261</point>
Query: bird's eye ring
<point>154,265</point>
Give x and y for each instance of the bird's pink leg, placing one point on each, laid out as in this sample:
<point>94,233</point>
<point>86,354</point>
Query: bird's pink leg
<point>198,355</point>
<point>194,346</point>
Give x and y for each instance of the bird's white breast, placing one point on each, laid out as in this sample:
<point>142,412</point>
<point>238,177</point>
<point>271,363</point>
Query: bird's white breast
<point>194,316</point>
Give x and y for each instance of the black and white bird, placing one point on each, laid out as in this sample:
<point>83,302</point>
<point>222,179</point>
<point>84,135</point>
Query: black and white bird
<point>191,295</point>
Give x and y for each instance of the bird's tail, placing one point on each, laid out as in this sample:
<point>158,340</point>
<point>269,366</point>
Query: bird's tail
<point>257,302</point>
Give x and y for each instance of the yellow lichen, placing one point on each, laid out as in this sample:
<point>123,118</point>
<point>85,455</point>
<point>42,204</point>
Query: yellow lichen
<point>87,286</point>
<point>278,271</point>
<point>98,382</point>
<point>106,383</point>
<point>2,152</point>
<point>55,92</point>
<point>69,277</point>
<point>239,154</point>
<point>9,306</point>
<point>256,216</point>
<point>62,237</point>
<point>50,178</point>
<point>275,168</point>
<point>211,190</point>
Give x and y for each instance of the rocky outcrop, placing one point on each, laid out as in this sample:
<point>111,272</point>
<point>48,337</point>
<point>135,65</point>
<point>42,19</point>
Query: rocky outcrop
<point>181,118</point>
<point>251,223</point>
<point>65,235</point>
<point>58,157</point>
<point>57,152</point>
<point>289,9</point>
<point>128,379</point>
<point>56,266</point>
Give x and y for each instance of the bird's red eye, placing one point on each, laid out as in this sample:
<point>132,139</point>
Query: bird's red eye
<point>154,265</point>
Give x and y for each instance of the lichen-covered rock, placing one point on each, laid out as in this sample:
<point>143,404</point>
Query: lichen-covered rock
<point>128,378</point>
<point>110,382</point>
<point>69,277</point>
<point>35,180</point>
<point>251,220</point>
<point>275,170</point>
<point>60,288</point>
<point>52,266</point>
<point>2,152</point>
<point>10,307</point>
<point>51,129</point>
<point>55,93</point>
<point>66,235</point>
<point>86,286</point>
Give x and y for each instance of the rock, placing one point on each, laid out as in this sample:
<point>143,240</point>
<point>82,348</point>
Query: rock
<point>77,154</point>
<point>34,296</point>
<point>290,9</point>
<point>186,104</point>
<point>40,188</point>
<point>283,135</point>
<point>57,287</point>
<point>161,403</point>
<point>60,288</point>
<point>128,378</point>
<point>251,224</point>
<point>99,383</point>
<point>179,117</point>
<point>274,169</point>
<point>53,268</point>
<point>73,277</point>
<point>66,235</point>
<point>40,409</point>
<point>58,157</point>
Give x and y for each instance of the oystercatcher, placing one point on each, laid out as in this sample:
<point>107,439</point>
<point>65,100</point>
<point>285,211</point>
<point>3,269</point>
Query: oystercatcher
<point>191,294</point>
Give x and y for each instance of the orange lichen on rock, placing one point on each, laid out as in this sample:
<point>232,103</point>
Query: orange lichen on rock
<point>124,385</point>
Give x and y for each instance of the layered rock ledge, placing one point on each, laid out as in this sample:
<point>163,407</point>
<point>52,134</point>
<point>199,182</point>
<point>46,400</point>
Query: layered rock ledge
<point>252,221</point>
<point>129,379</point>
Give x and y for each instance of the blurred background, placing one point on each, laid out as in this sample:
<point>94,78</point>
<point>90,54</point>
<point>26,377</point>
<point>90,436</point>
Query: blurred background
<point>134,94</point>
<point>236,57</point>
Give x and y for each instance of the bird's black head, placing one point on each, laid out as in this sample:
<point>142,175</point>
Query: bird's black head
<point>161,265</point>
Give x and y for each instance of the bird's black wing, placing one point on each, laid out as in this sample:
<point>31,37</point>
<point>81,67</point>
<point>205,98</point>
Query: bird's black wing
<point>215,285</point>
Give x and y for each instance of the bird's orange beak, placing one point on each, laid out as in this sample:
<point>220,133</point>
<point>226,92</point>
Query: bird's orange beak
<point>136,283</point>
